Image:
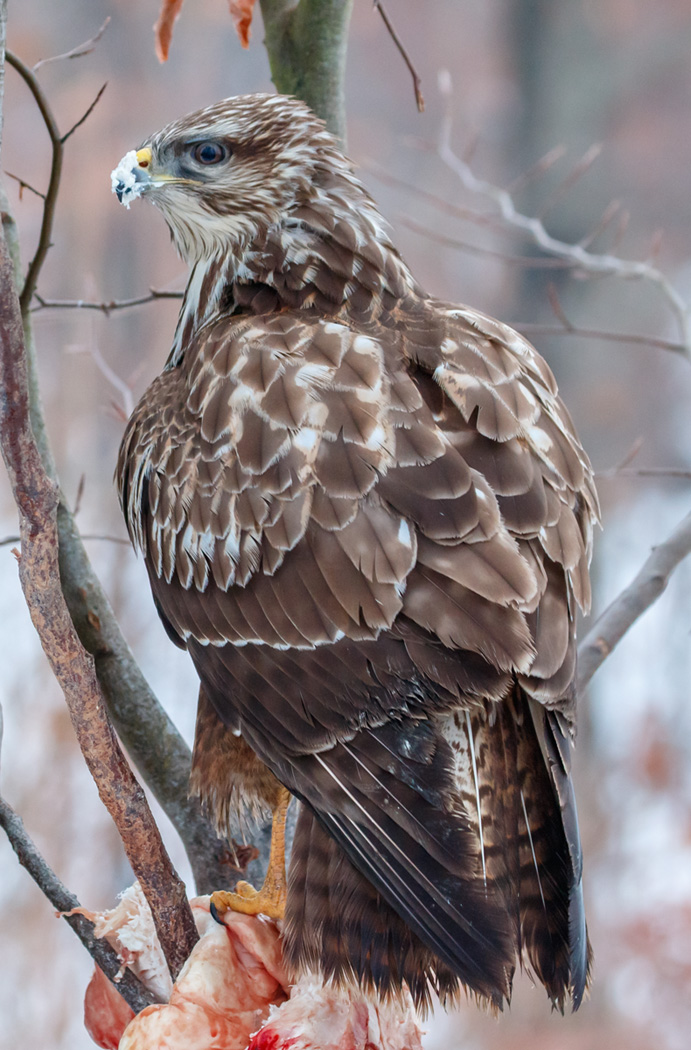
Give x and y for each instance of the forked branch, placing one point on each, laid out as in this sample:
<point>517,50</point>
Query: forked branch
<point>123,979</point>
<point>582,260</point>
<point>36,496</point>
<point>148,733</point>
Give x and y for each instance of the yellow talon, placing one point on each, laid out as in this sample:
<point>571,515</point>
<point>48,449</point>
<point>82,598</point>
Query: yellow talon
<point>271,898</point>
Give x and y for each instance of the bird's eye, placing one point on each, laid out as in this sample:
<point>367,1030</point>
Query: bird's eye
<point>209,152</point>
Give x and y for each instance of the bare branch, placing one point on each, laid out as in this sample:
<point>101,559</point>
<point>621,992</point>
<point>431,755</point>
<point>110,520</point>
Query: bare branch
<point>530,261</point>
<point>557,309</point>
<point>307,42</point>
<point>609,214</point>
<point>631,454</point>
<point>577,172</point>
<point>627,607</point>
<point>25,186</point>
<point>86,115</point>
<point>53,184</point>
<point>634,338</point>
<point>37,498</point>
<point>80,494</point>
<point>7,540</point>
<point>417,83</point>
<point>121,977</point>
<point>106,307</point>
<point>388,179</point>
<point>152,741</point>
<point>581,259</point>
<point>643,472</point>
<point>76,52</point>
<point>124,390</point>
<point>541,167</point>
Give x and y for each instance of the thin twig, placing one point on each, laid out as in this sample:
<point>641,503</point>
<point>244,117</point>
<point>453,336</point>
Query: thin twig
<point>529,261</point>
<point>541,167</point>
<point>7,540</point>
<point>609,214</point>
<point>53,184</point>
<point>643,472</point>
<point>581,259</point>
<point>25,186</point>
<point>630,455</point>
<point>530,329</point>
<point>124,390</point>
<point>486,220</point>
<point>558,309</point>
<point>122,978</point>
<point>106,307</point>
<point>86,115</point>
<point>152,740</point>
<point>628,606</point>
<point>80,493</point>
<point>417,83</point>
<point>76,52</point>
<point>576,173</point>
<point>37,499</point>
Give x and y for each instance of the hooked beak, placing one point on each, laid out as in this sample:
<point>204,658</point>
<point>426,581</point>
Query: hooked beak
<point>134,174</point>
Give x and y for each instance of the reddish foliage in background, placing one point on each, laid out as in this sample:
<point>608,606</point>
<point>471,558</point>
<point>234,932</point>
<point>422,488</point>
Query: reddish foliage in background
<point>656,756</point>
<point>241,12</point>
<point>163,30</point>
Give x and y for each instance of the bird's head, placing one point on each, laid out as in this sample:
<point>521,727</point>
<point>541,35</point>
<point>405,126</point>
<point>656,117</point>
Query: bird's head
<point>224,173</point>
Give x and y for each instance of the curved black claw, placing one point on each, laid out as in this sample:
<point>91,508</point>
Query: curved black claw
<point>215,914</point>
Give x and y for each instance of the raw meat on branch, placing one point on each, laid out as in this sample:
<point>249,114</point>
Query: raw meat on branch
<point>232,993</point>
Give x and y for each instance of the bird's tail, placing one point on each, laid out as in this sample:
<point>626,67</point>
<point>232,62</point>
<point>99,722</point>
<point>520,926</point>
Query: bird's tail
<point>338,924</point>
<point>520,792</point>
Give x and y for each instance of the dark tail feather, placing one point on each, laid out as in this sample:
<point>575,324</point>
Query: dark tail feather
<point>387,798</point>
<point>552,740</point>
<point>337,923</point>
<point>545,849</point>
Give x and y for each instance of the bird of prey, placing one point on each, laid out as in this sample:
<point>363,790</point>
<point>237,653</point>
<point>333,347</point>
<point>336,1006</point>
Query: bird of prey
<point>366,515</point>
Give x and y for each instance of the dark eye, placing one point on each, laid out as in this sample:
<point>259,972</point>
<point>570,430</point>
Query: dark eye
<point>209,152</point>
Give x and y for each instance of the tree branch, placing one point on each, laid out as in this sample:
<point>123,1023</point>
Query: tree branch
<point>628,606</point>
<point>630,338</point>
<point>37,497</point>
<point>106,307</point>
<point>307,41</point>
<point>151,738</point>
<point>581,259</point>
<point>417,83</point>
<point>85,116</point>
<point>121,977</point>
<point>76,52</point>
<point>53,185</point>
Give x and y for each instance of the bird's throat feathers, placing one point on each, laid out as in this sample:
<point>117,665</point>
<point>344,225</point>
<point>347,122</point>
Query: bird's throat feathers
<point>339,261</point>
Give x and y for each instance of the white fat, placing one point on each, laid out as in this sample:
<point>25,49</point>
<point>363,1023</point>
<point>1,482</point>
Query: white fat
<point>124,176</point>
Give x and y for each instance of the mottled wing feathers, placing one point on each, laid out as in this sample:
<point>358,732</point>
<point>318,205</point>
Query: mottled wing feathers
<point>371,538</point>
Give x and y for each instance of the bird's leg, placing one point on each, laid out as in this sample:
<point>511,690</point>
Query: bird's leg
<point>271,898</point>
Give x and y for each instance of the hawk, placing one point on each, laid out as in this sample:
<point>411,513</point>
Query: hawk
<point>366,515</point>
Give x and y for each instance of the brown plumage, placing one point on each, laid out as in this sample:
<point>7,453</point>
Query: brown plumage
<point>367,516</point>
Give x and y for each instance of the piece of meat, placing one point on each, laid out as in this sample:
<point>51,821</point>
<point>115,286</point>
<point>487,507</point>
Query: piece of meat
<point>232,993</point>
<point>319,1017</point>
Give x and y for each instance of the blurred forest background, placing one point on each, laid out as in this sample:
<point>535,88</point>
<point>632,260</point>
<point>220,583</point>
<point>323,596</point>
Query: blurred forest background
<point>528,75</point>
